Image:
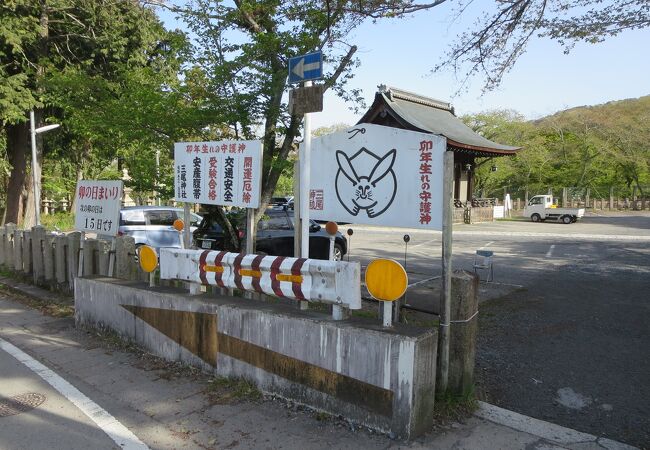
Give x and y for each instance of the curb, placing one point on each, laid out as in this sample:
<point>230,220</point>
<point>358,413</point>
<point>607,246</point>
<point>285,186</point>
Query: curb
<point>545,430</point>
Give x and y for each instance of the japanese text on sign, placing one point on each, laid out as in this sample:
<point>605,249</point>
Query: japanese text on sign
<point>218,173</point>
<point>425,180</point>
<point>98,206</point>
<point>377,175</point>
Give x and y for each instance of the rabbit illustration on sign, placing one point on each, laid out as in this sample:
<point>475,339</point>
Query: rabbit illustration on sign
<point>366,181</point>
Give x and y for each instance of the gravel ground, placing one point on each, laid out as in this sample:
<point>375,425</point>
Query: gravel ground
<point>573,348</point>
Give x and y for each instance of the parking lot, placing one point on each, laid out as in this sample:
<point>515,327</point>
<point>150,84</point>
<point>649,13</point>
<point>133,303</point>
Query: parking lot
<point>564,333</point>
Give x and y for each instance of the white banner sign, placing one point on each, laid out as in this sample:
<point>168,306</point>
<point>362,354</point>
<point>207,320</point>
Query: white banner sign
<point>98,206</point>
<point>376,175</point>
<point>218,173</point>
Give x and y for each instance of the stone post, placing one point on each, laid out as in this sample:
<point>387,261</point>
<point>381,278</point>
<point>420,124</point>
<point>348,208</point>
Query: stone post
<point>48,257</point>
<point>38,235</point>
<point>103,253</point>
<point>27,251</point>
<point>3,245</point>
<point>125,258</point>
<point>90,249</point>
<point>463,329</point>
<point>611,198</point>
<point>72,257</point>
<point>18,250</point>
<point>60,244</point>
<point>10,232</point>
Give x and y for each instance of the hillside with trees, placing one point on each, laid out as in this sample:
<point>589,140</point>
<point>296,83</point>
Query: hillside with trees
<point>596,147</point>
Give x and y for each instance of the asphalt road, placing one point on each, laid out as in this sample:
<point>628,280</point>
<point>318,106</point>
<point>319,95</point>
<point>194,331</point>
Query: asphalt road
<point>571,346</point>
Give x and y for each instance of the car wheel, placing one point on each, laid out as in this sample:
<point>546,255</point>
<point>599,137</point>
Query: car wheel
<point>338,252</point>
<point>567,219</point>
<point>535,217</point>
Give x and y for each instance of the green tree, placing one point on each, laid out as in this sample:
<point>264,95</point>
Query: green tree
<point>244,50</point>
<point>89,41</point>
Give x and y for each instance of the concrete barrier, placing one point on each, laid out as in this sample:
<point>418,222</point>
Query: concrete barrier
<point>380,378</point>
<point>336,282</point>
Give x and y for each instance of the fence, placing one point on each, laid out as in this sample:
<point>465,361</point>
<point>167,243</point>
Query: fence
<point>334,282</point>
<point>52,259</point>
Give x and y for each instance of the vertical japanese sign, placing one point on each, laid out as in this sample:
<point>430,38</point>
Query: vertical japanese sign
<point>376,175</point>
<point>98,206</point>
<point>223,173</point>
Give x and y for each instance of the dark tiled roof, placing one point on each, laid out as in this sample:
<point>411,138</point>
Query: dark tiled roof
<point>418,113</point>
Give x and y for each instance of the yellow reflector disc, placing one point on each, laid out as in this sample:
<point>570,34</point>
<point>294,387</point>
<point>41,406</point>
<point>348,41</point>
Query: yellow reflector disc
<point>148,258</point>
<point>178,225</point>
<point>386,279</point>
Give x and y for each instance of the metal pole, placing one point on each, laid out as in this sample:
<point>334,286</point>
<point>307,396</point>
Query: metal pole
<point>297,226</point>
<point>338,312</point>
<point>157,199</point>
<point>445,300</point>
<point>37,191</point>
<point>387,319</point>
<point>187,233</point>
<point>250,222</point>
<point>304,185</point>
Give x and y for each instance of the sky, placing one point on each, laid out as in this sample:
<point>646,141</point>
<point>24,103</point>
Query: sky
<point>401,53</point>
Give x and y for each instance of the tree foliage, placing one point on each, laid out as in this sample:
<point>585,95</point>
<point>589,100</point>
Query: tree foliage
<point>594,147</point>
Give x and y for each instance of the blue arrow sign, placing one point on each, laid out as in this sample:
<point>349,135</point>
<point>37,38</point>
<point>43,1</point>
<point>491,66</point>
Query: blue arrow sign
<point>306,67</point>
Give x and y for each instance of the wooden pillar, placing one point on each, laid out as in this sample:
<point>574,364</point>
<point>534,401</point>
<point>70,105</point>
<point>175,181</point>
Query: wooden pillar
<point>588,198</point>
<point>463,329</point>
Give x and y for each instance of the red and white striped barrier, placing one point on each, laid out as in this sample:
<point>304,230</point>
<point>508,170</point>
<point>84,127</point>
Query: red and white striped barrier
<point>336,282</point>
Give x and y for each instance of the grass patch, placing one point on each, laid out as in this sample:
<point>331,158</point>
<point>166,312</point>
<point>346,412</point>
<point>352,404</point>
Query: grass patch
<point>224,390</point>
<point>364,313</point>
<point>418,319</point>
<point>322,416</point>
<point>61,221</point>
<point>450,407</point>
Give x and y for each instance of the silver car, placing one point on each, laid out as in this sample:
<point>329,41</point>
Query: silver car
<point>153,225</point>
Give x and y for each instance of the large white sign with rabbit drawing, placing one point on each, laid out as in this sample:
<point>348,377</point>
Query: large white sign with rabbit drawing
<point>376,175</point>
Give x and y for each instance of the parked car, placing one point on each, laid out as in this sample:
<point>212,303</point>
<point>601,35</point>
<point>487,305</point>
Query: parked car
<point>281,202</point>
<point>275,236</point>
<point>541,208</point>
<point>153,225</point>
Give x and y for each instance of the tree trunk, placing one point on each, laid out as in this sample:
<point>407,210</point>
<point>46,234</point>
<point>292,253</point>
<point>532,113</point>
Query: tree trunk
<point>30,215</point>
<point>17,151</point>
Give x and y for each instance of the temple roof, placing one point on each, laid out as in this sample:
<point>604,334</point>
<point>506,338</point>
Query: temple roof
<point>403,109</point>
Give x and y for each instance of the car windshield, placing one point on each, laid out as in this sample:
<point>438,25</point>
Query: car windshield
<point>209,223</point>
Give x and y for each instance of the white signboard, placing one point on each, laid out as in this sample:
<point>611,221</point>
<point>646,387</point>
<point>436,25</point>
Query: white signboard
<point>98,206</point>
<point>376,175</point>
<point>218,173</point>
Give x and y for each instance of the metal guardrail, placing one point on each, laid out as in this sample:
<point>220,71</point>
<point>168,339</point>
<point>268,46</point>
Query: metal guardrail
<point>335,282</point>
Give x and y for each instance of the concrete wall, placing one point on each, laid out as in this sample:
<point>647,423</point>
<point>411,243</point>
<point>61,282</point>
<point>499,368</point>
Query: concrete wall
<point>384,379</point>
